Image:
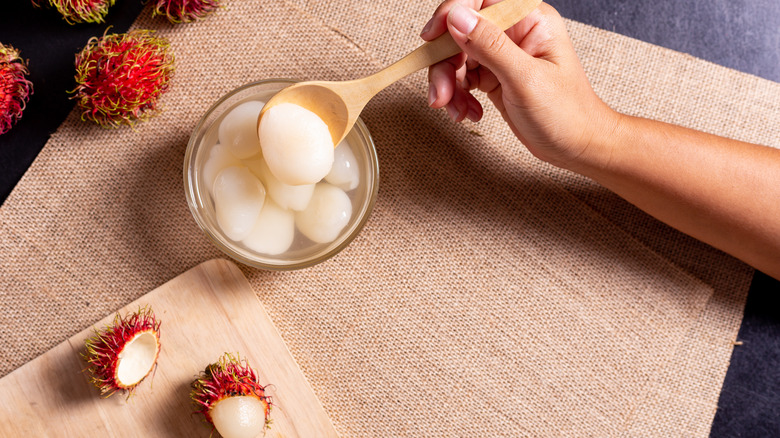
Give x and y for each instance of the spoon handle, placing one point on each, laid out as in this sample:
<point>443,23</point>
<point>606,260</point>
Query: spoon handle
<point>505,14</point>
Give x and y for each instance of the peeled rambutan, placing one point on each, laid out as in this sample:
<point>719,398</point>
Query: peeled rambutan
<point>81,11</point>
<point>15,89</point>
<point>120,77</point>
<point>228,394</point>
<point>124,353</point>
<point>185,11</point>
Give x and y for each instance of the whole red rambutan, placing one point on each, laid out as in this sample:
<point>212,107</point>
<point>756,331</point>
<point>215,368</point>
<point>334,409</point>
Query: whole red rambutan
<point>185,11</point>
<point>120,77</point>
<point>124,353</point>
<point>15,89</point>
<point>81,11</point>
<point>228,394</point>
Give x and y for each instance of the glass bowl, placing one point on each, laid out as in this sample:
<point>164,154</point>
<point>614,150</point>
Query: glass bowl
<point>303,252</point>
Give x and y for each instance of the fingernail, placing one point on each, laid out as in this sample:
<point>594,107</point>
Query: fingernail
<point>431,94</point>
<point>453,112</point>
<point>463,19</point>
<point>427,27</point>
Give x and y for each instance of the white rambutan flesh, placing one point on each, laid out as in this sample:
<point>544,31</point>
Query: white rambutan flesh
<point>137,359</point>
<point>241,416</point>
<point>296,144</point>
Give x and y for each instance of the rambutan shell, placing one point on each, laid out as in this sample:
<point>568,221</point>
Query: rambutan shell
<point>230,377</point>
<point>81,11</point>
<point>120,77</point>
<point>15,88</point>
<point>124,353</point>
<point>185,11</point>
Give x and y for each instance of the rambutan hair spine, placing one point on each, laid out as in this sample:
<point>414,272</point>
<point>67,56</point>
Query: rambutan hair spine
<point>15,88</point>
<point>81,11</point>
<point>185,11</point>
<point>120,77</point>
<point>124,353</point>
<point>230,397</point>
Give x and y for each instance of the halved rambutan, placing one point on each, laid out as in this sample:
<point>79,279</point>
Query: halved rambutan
<point>125,352</point>
<point>15,89</point>
<point>185,11</point>
<point>120,77</point>
<point>228,394</point>
<point>81,11</point>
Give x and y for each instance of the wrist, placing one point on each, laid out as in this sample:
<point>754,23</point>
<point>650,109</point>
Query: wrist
<point>605,128</point>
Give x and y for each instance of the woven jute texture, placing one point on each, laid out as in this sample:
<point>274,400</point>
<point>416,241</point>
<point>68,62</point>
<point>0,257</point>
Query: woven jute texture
<point>488,295</point>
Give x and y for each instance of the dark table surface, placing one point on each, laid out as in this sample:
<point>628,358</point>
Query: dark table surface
<point>739,34</point>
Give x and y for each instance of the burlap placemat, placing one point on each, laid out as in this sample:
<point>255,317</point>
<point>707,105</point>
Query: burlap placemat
<point>488,295</point>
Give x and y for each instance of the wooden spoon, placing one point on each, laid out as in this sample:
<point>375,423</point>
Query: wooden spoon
<point>339,104</point>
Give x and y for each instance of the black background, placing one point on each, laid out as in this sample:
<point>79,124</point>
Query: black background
<point>740,34</point>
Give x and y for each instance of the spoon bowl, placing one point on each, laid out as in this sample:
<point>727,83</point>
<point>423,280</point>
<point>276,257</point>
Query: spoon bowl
<point>339,103</point>
<point>328,100</point>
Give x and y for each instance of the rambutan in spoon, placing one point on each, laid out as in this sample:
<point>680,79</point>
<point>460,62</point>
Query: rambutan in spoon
<point>339,104</point>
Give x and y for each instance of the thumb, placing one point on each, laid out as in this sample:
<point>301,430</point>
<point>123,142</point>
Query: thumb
<point>484,42</point>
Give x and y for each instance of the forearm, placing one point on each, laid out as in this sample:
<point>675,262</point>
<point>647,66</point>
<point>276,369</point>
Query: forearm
<point>723,192</point>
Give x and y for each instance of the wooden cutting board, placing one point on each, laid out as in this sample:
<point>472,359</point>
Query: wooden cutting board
<point>205,312</point>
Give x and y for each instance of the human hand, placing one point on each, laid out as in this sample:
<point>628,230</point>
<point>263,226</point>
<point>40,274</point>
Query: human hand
<point>530,73</point>
<point>701,184</point>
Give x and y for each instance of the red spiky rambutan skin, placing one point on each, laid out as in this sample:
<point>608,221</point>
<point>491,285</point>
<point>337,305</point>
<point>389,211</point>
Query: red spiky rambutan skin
<point>120,77</point>
<point>81,11</point>
<point>228,377</point>
<point>103,349</point>
<point>15,89</point>
<point>185,11</point>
